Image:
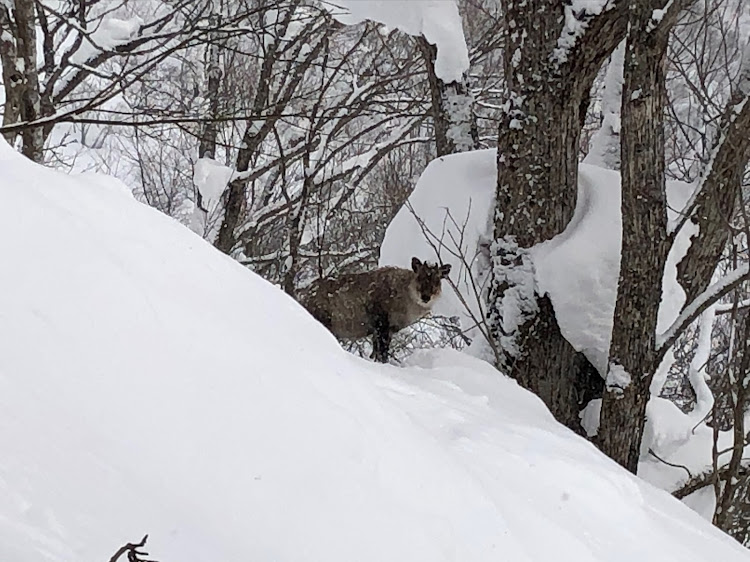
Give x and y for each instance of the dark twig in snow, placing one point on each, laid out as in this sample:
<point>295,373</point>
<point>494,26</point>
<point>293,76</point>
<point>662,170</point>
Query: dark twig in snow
<point>683,467</point>
<point>133,552</point>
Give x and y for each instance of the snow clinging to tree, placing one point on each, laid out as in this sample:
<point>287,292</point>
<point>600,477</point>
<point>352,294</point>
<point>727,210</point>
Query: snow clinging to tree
<point>577,16</point>
<point>437,20</point>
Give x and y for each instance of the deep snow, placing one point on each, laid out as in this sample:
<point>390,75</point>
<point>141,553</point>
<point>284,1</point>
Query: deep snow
<point>149,384</point>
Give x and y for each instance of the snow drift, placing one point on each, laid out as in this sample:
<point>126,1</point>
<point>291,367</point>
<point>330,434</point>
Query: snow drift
<point>149,384</point>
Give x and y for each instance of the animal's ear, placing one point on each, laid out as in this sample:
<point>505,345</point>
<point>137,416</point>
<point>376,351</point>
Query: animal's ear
<point>415,264</point>
<point>445,270</point>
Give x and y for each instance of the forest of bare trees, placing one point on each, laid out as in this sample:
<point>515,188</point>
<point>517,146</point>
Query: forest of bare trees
<point>289,141</point>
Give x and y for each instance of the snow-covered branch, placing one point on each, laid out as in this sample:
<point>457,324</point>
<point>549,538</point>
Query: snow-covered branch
<point>701,303</point>
<point>438,21</point>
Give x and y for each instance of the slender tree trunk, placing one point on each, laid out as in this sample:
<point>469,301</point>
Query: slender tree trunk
<point>317,34</point>
<point>13,80</point>
<point>207,147</point>
<point>295,233</point>
<point>452,108</point>
<point>645,243</point>
<point>729,483</point>
<point>19,60</point>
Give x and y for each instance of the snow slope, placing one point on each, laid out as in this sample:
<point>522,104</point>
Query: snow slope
<point>149,384</point>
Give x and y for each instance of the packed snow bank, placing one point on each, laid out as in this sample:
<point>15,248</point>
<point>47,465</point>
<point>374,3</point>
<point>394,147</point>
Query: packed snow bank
<point>450,214</point>
<point>149,384</point>
<point>437,20</point>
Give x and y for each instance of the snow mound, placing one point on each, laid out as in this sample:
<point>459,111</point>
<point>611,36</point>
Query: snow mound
<point>149,384</point>
<point>578,269</point>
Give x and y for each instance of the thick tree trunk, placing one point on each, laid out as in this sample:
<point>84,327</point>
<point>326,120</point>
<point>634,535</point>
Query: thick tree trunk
<point>645,243</point>
<point>549,78</point>
<point>565,380</point>
<point>452,108</point>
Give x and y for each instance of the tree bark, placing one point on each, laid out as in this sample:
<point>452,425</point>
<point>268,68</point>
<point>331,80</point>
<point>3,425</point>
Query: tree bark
<point>540,129</point>
<point>564,379</point>
<point>724,514</point>
<point>207,148</point>
<point>452,108</point>
<point>12,77</point>
<point>633,354</point>
<point>19,60</point>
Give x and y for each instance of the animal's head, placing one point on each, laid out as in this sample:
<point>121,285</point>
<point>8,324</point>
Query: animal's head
<point>428,278</point>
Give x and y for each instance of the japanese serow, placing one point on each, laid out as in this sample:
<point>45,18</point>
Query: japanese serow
<point>378,303</point>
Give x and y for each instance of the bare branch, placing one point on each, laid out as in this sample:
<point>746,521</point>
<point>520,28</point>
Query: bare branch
<point>133,551</point>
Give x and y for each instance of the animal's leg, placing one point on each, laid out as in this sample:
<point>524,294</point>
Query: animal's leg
<point>381,338</point>
<point>324,318</point>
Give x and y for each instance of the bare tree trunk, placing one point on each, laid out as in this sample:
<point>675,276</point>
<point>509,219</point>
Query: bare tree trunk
<point>738,372</point>
<point>207,147</point>
<point>645,243</point>
<point>18,56</point>
<point>452,108</point>
<point>12,77</point>
<point>295,231</point>
<point>571,384</point>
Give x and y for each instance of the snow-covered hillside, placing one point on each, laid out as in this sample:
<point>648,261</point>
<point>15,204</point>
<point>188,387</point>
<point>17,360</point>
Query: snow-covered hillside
<point>149,384</point>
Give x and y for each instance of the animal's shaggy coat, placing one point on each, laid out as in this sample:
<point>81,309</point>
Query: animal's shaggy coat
<point>379,302</point>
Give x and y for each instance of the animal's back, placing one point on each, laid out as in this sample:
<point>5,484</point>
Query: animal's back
<point>348,304</point>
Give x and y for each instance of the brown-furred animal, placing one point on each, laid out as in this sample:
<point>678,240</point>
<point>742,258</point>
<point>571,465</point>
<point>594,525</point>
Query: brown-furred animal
<point>379,302</point>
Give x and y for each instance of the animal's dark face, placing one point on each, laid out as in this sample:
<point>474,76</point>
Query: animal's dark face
<point>428,278</point>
